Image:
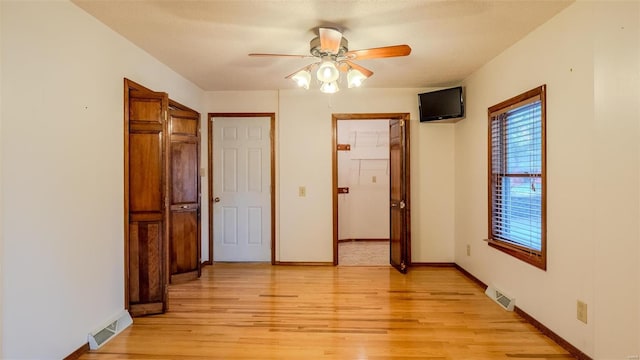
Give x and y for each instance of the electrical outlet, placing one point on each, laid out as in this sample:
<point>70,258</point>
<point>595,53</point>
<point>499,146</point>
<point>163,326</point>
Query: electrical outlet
<point>468,250</point>
<point>582,311</point>
<point>302,191</point>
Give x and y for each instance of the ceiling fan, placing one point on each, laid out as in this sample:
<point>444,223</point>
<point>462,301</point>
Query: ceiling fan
<point>333,51</point>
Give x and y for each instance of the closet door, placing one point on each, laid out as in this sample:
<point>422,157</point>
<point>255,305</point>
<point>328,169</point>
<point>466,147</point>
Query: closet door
<point>184,195</point>
<point>145,184</point>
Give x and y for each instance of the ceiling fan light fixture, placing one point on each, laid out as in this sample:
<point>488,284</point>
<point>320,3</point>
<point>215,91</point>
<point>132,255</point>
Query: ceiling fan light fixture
<point>329,87</point>
<point>355,78</point>
<point>302,79</point>
<point>327,72</point>
<point>332,50</point>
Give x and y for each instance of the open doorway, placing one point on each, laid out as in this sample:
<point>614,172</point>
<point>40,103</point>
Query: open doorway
<point>371,187</point>
<point>363,192</point>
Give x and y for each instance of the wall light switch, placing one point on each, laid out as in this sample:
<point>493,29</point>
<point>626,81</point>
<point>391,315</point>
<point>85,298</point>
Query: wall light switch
<point>302,191</point>
<point>374,179</point>
<point>582,311</point>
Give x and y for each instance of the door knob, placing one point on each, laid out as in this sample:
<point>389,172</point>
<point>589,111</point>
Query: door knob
<point>216,199</point>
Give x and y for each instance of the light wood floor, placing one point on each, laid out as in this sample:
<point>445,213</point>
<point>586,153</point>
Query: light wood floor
<point>258,311</point>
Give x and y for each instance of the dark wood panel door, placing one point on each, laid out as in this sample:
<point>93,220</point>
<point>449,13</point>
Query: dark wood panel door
<point>184,195</point>
<point>145,184</point>
<point>398,201</point>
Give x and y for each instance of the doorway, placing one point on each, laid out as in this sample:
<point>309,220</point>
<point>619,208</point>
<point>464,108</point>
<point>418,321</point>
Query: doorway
<point>398,201</point>
<point>363,192</point>
<point>241,187</point>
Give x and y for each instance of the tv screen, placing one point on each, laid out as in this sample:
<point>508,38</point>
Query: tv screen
<point>441,104</point>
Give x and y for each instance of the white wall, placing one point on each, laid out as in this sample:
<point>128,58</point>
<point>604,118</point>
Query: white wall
<point>62,172</point>
<point>229,102</point>
<point>1,192</point>
<point>617,141</point>
<point>303,145</point>
<point>588,57</point>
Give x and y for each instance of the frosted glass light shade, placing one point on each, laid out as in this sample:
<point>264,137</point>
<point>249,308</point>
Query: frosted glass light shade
<point>302,78</point>
<point>355,78</point>
<point>329,87</point>
<point>327,72</point>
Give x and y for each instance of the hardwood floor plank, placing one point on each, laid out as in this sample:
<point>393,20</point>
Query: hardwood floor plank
<point>258,311</point>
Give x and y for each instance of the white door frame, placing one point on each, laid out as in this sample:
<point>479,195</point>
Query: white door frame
<point>272,117</point>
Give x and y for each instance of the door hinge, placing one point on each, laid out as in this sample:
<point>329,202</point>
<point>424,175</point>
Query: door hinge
<point>401,122</point>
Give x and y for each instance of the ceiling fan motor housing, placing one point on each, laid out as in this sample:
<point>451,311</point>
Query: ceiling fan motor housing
<point>315,47</point>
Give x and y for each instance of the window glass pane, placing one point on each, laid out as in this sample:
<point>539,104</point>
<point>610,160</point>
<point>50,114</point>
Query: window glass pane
<point>518,211</point>
<point>523,140</point>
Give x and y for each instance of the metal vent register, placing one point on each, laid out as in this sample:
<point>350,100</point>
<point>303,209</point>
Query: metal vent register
<point>507,302</point>
<point>107,332</point>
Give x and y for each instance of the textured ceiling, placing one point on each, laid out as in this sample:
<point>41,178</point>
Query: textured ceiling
<point>208,41</point>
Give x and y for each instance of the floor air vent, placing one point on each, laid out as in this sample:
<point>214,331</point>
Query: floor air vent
<point>107,332</point>
<point>503,300</point>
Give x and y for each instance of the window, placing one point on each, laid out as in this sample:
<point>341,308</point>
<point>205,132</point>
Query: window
<point>517,184</point>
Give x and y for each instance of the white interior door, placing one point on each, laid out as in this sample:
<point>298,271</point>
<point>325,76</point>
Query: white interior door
<point>241,189</point>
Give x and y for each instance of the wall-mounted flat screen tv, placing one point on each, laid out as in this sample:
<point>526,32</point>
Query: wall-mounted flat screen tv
<point>441,104</point>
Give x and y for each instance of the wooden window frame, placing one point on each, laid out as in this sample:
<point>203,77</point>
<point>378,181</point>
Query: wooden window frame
<point>528,255</point>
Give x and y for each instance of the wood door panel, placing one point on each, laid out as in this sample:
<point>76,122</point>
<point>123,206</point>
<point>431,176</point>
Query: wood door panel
<point>396,220</point>
<point>395,239</point>
<point>184,172</point>
<point>145,156</point>
<point>184,196</point>
<point>184,244</point>
<point>398,197</point>
<point>134,268</point>
<point>145,109</point>
<point>145,188</point>
<point>184,126</point>
<point>145,262</point>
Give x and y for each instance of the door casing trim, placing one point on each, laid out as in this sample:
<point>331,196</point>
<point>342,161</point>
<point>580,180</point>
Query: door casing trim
<point>334,160</point>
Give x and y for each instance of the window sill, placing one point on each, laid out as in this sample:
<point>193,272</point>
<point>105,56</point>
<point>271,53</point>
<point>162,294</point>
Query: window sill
<point>534,259</point>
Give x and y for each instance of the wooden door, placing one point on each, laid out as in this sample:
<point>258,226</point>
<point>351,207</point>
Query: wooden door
<point>145,184</point>
<point>184,195</point>
<point>399,199</point>
<point>242,189</point>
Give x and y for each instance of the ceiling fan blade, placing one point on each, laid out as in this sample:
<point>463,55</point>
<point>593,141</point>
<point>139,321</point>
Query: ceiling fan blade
<point>366,72</point>
<point>280,55</point>
<point>330,40</point>
<point>381,52</point>
<point>308,67</point>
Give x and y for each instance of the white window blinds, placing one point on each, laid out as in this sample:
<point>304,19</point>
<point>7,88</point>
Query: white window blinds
<point>516,175</point>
